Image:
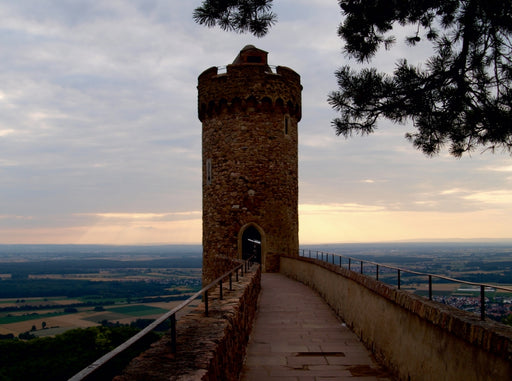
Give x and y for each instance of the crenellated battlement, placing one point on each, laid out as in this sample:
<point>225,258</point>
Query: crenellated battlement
<point>250,104</point>
<point>249,88</point>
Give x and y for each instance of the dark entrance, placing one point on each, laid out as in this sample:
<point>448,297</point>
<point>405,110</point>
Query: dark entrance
<point>251,244</point>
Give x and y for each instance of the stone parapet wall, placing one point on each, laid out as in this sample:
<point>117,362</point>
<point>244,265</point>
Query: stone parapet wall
<point>208,348</point>
<point>416,338</point>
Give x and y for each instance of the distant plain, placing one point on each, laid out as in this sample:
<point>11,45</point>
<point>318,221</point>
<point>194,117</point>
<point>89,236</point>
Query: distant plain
<point>158,277</point>
<point>113,284</point>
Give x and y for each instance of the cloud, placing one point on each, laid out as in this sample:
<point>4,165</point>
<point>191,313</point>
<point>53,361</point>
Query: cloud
<point>107,228</point>
<point>142,232</point>
<point>496,197</point>
<point>505,168</point>
<point>99,127</point>
<point>6,132</point>
<point>144,216</point>
<point>12,217</point>
<point>337,208</point>
<point>318,141</point>
<point>389,226</point>
<point>453,191</point>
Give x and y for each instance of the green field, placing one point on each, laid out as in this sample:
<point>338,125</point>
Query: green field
<point>117,313</point>
<point>124,293</point>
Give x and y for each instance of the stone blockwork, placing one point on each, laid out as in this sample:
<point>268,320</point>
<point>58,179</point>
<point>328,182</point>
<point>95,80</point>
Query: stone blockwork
<point>208,348</point>
<point>418,339</point>
<point>249,116</point>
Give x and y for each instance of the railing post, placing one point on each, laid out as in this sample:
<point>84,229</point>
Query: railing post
<point>377,273</point>
<point>221,295</point>
<point>333,259</point>
<point>482,302</point>
<point>173,333</point>
<point>430,287</point>
<point>317,254</point>
<point>340,260</point>
<point>349,262</point>
<point>398,279</point>
<point>206,303</point>
<point>362,266</point>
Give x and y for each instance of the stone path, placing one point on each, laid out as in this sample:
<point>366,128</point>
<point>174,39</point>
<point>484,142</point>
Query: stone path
<point>296,336</point>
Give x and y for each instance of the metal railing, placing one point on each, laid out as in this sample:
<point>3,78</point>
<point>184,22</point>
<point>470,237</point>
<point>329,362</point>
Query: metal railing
<point>242,268</point>
<point>377,270</point>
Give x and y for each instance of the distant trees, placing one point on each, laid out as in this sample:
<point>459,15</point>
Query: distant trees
<point>24,336</point>
<point>77,288</point>
<point>60,357</point>
<point>461,96</point>
<point>21,270</point>
<point>507,320</point>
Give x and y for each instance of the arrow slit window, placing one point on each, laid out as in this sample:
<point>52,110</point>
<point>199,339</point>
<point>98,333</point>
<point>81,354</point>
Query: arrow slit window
<point>208,171</point>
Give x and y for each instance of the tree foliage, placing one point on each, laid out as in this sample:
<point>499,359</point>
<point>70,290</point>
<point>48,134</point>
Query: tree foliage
<point>252,16</point>
<point>461,96</point>
<point>60,357</point>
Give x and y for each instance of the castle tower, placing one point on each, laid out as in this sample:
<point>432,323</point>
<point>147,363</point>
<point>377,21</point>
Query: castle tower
<point>249,115</point>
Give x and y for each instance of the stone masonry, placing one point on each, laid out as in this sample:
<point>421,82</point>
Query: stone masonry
<point>249,116</point>
<point>208,348</point>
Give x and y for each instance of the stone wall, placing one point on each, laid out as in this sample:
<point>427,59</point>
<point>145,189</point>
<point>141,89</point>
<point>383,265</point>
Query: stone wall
<point>208,348</point>
<point>415,338</point>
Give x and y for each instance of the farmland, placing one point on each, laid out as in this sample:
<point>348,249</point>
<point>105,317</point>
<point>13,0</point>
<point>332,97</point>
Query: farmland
<point>50,292</point>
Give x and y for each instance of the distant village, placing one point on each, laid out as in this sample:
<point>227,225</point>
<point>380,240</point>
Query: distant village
<point>497,308</point>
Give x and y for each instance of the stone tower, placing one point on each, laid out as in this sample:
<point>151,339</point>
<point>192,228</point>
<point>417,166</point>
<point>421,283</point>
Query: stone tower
<point>249,115</point>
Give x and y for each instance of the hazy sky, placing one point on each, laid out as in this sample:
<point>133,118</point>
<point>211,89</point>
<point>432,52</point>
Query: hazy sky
<point>100,141</point>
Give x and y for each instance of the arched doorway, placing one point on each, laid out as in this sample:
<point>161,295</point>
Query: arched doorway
<point>251,244</point>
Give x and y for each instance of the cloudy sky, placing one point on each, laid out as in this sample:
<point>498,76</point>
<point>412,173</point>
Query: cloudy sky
<point>100,141</point>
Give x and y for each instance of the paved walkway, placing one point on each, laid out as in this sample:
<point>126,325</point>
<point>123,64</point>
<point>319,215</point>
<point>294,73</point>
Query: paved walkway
<point>296,336</point>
